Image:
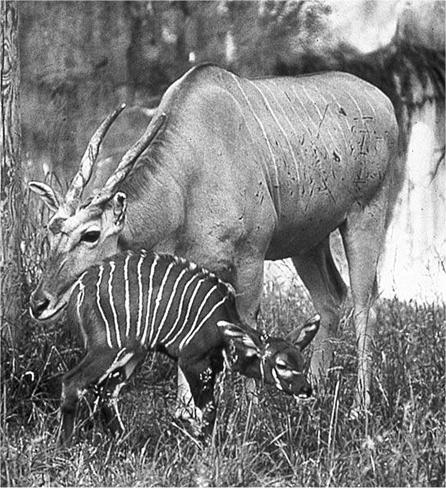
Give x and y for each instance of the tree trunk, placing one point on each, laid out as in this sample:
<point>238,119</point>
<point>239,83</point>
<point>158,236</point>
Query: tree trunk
<point>10,177</point>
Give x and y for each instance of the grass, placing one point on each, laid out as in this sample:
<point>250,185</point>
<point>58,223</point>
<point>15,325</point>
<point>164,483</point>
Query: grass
<point>274,443</point>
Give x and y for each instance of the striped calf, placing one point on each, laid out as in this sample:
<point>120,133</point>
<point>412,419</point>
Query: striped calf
<point>135,302</point>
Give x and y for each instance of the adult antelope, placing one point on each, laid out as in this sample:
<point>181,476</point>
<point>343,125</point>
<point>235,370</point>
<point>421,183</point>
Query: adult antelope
<point>237,171</point>
<point>136,302</point>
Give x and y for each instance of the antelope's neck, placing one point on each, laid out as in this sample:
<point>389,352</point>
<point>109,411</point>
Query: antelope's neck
<point>154,215</point>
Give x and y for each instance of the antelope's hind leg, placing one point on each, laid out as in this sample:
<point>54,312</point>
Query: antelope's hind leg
<point>328,291</point>
<point>363,234</point>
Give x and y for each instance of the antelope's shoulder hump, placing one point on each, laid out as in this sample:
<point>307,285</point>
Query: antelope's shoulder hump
<point>199,78</point>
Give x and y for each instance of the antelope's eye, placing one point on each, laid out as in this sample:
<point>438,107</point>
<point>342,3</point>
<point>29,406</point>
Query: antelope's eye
<point>90,236</point>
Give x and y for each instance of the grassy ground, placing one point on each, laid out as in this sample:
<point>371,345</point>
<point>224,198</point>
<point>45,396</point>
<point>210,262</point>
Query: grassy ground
<point>276,443</point>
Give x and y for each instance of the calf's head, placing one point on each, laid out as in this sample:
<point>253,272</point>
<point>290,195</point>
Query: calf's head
<point>83,233</point>
<point>275,361</point>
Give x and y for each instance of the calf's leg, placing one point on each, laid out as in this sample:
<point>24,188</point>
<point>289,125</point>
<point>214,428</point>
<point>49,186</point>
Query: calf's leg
<point>74,384</point>
<point>122,368</point>
<point>200,376</point>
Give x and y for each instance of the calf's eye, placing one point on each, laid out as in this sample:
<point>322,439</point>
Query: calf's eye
<point>281,365</point>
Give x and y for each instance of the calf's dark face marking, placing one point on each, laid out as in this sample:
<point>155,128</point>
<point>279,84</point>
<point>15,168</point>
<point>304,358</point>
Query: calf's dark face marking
<point>273,360</point>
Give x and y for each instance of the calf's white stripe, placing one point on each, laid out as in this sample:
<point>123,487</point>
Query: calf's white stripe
<point>191,302</point>
<point>166,312</point>
<point>140,304</point>
<point>206,318</point>
<point>101,311</point>
<point>197,316</point>
<point>118,362</point>
<point>158,301</point>
<point>149,298</point>
<point>180,311</point>
<point>127,295</point>
<point>112,303</point>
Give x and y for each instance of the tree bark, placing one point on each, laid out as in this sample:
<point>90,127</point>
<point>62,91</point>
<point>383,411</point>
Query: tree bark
<point>10,177</point>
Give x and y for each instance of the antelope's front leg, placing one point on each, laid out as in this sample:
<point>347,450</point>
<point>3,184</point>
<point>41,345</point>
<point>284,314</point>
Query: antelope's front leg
<point>249,294</point>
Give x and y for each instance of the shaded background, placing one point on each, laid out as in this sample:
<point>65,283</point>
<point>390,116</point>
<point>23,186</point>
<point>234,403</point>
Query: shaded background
<point>80,59</point>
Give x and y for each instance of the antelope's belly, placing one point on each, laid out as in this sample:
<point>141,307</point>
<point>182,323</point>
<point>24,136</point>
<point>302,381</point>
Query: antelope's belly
<point>311,213</point>
<point>291,240</point>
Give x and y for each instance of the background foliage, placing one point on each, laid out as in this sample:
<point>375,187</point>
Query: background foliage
<point>79,59</point>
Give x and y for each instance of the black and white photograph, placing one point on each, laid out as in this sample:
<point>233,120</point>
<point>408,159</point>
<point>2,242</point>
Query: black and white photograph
<point>223,243</point>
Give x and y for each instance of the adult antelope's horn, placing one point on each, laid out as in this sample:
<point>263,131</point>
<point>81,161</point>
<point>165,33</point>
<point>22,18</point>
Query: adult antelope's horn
<point>88,159</point>
<point>128,160</point>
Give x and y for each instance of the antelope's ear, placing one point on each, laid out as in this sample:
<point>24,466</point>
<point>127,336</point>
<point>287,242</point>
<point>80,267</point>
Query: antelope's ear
<point>240,337</point>
<point>50,197</point>
<point>303,336</point>
<point>119,203</point>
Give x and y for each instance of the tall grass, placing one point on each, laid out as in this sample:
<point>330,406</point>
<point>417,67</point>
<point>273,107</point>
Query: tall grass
<point>274,443</point>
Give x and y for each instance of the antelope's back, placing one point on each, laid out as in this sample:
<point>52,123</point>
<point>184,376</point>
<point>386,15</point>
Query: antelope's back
<point>148,299</point>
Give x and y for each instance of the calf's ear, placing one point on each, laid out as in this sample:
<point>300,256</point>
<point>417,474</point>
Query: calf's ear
<point>240,337</point>
<point>304,335</point>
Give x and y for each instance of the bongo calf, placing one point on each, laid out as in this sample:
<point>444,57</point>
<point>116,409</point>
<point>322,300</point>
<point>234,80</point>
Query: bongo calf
<point>133,303</point>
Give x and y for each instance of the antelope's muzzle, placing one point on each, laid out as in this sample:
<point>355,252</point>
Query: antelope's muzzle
<point>44,306</point>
